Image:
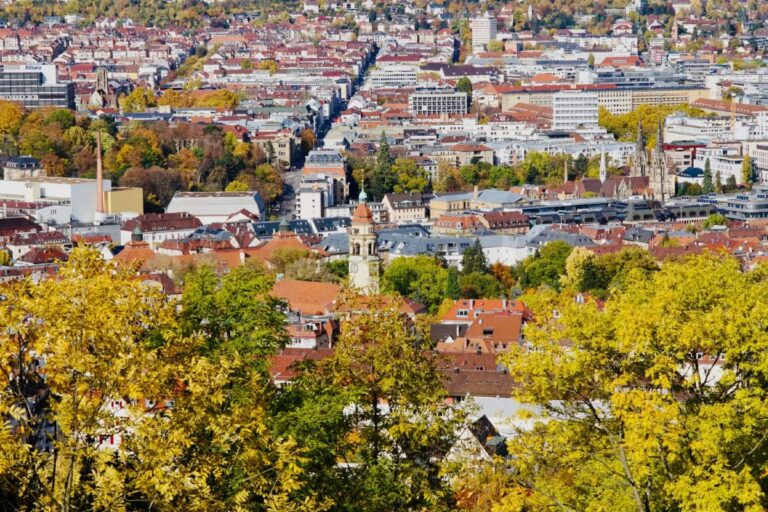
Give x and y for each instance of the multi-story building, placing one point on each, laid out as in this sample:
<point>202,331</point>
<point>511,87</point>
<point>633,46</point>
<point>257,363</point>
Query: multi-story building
<point>723,161</point>
<point>758,152</point>
<point>745,206</point>
<point>20,167</point>
<point>35,85</point>
<point>483,30</point>
<point>437,101</point>
<point>315,194</point>
<point>394,76</point>
<point>574,109</point>
<point>616,99</point>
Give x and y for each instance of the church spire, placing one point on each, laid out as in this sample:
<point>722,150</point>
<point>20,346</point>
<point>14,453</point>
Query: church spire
<point>640,162</point>
<point>363,197</point>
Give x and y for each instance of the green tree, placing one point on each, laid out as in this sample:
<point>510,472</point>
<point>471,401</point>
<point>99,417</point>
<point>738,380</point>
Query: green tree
<point>236,313</point>
<point>583,273</point>
<point>627,413</point>
<point>480,285</point>
<point>452,289</point>
<point>473,259</point>
<point>718,182</point>
<point>383,177</point>
<point>707,186</point>
<point>420,278</point>
<point>716,219</point>
<point>545,267</point>
<point>464,84</point>
<point>374,418</point>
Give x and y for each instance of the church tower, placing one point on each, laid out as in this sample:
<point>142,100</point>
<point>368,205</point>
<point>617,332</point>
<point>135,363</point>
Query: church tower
<point>640,162</point>
<point>364,261</point>
<point>662,183</point>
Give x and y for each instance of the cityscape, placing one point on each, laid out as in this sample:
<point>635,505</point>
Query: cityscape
<point>394,255</point>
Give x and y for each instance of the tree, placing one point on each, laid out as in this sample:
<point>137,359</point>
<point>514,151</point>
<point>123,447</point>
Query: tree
<point>618,392</point>
<point>11,115</point>
<point>139,100</point>
<point>383,177</point>
<point>452,289</point>
<point>268,65</point>
<point>420,278</point>
<point>707,186</point>
<point>473,259</point>
<point>56,424</point>
<point>582,273</point>
<point>591,60</point>
<point>236,186</point>
<point>464,84</point>
<point>730,184</point>
<point>495,46</point>
<point>716,219</point>
<point>479,285</point>
<point>373,417</point>
<point>747,172</point>
<point>158,185</point>
<point>5,258</point>
<point>718,182</point>
<point>175,99</point>
<point>222,98</point>
<point>410,177</point>
<point>63,117</point>
<point>545,267</point>
<point>308,140</point>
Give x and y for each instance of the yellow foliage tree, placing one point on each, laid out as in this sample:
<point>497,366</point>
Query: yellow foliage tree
<point>139,100</point>
<point>653,401</point>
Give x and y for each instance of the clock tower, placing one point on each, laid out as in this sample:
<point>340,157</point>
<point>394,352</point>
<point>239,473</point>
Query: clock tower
<point>364,261</point>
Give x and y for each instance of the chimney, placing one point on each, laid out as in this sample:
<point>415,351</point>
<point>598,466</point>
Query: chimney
<point>99,176</point>
<point>475,193</point>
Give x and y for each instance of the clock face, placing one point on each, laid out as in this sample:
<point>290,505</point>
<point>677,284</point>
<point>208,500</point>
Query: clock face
<point>353,267</point>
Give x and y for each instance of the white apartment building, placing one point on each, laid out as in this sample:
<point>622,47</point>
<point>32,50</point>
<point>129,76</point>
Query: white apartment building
<point>680,127</point>
<point>437,101</point>
<point>573,110</point>
<point>315,195</point>
<point>393,76</point>
<point>724,160</point>
<point>483,30</point>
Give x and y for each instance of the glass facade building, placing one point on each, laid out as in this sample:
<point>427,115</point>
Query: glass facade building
<point>34,86</point>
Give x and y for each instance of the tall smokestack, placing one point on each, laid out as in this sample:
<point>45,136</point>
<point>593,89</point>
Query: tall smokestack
<point>99,176</point>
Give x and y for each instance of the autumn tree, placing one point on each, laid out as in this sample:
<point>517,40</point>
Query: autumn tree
<point>374,416</point>
<point>139,100</point>
<point>747,171</point>
<point>410,177</point>
<point>308,140</point>
<point>158,185</point>
<point>653,401</point>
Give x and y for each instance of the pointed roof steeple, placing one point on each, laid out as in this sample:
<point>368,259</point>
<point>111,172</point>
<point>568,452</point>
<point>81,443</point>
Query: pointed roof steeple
<point>363,197</point>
